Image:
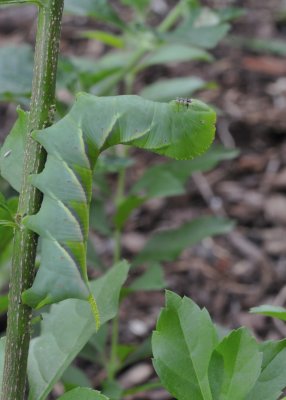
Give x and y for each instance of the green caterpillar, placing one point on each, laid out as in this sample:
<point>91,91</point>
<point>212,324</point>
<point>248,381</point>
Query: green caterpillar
<point>73,145</point>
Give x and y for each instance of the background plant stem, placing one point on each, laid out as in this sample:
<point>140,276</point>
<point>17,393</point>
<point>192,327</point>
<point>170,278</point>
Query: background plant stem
<point>25,241</point>
<point>172,17</point>
<point>129,73</point>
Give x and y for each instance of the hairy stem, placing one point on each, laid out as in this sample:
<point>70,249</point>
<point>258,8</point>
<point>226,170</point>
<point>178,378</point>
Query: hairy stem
<point>25,241</point>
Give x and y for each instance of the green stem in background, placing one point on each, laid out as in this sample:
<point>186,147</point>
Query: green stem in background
<point>25,241</point>
<point>143,388</point>
<point>129,73</point>
<point>122,152</point>
<point>172,17</point>
<point>112,365</point>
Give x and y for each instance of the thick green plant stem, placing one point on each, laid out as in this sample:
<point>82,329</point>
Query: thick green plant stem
<point>172,17</point>
<point>25,242</point>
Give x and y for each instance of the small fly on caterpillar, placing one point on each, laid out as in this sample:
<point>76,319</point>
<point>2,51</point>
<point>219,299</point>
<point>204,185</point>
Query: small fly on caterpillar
<point>184,102</point>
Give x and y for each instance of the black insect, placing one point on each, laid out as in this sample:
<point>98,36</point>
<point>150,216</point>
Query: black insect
<point>185,102</point>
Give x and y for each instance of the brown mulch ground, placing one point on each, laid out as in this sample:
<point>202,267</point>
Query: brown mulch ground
<point>230,274</point>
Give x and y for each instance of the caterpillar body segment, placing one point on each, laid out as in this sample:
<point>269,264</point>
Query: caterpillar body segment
<point>73,146</point>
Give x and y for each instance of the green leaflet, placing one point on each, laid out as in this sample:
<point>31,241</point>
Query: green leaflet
<point>182,347</point>
<point>73,146</point>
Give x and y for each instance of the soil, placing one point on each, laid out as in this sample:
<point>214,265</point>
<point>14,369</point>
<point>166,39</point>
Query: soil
<point>227,274</point>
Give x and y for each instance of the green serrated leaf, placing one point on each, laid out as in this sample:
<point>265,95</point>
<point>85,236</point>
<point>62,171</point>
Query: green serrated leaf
<point>167,245</point>
<point>272,378</point>
<point>67,328</point>
<point>83,394</point>
<point>235,360</point>
<point>182,346</point>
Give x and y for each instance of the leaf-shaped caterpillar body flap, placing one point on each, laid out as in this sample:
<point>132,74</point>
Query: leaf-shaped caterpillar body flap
<point>73,145</point>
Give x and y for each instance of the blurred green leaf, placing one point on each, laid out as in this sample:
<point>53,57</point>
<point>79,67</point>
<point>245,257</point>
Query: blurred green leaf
<point>235,360</point>
<point>92,257</point>
<point>168,178</point>
<point>123,351</point>
<point>74,377</point>
<point>98,218</point>
<point>169,89</point>
<point>206,37</point>
<point>174,53</point>
<point>168,245</point>
<point>83,394</point>
<point>264,46</point>
<point>94,350</point>
<point>100,9</point>
<point>104,37</point>
<point>152,279</point>
<point>270,311</point>
<point>182,346</point>
<point>111,163</point>
<point>230,13</point>
<point>16,65</point>
<point>272,379</point>
<point>67,328</point>
<point>141,352</point>
<point>81,73</point>
<point>158,182</point>
<point>139,5</point>
<point>125,208</point>
<point>112,389</point>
